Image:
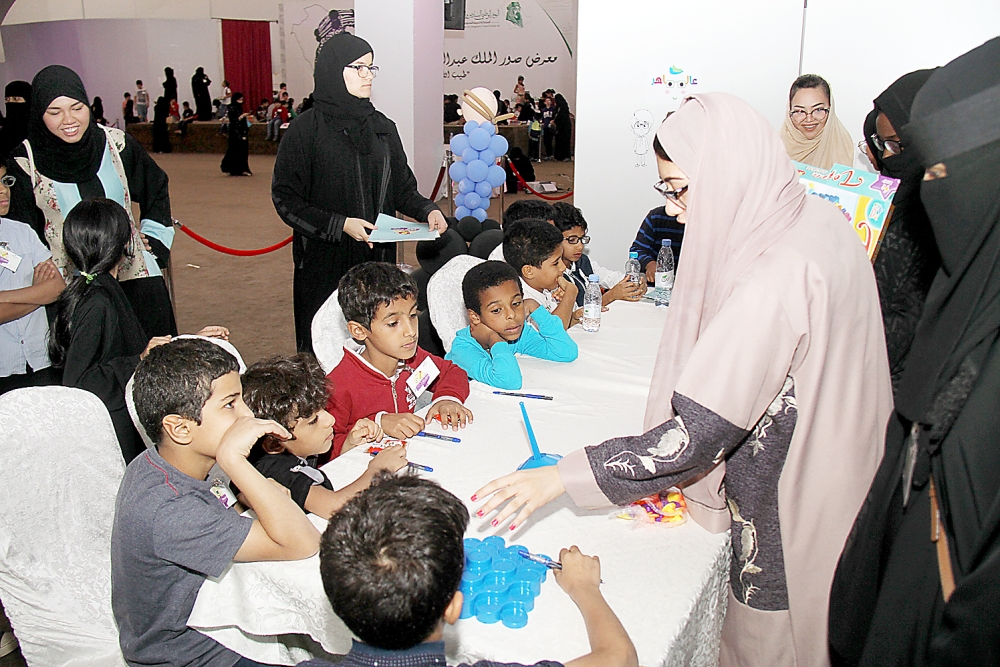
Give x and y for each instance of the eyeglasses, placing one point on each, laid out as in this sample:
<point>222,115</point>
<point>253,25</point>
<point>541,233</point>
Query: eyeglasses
<point>8,181</point>
<point>815,114</point>
<point>573,240</point>
<point>364,70</point>
<point>672,195</point>
<point>886,146</point>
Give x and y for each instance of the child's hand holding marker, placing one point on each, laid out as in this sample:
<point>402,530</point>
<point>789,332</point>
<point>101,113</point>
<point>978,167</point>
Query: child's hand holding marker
<point>378,451</point>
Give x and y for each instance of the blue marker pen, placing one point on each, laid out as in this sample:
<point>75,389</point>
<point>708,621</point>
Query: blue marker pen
<point>514,393</point>
<point>544,560</point>
<point>425,434</point>
<point>373,451</point>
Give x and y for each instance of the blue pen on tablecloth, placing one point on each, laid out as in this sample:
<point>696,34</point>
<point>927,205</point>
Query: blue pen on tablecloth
<point>543,560</point>
<point>425,434</point>
<point>514,393</point>
<point>373,451</point>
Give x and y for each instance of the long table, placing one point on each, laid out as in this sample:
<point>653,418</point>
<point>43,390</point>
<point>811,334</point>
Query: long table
<point>668,585</point>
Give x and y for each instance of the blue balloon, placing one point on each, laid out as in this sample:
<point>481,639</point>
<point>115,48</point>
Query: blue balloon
<point>457,171</point>
<point>460,199</point>
<point>496,176</point>
<point>469,126</point>
<point>472,200</point>
<point>490,128</point>
<point>466,185</point>
<point>497,144</point>
<point>479,170</point>
<point>470,154</point>
<point>479,139</point>
<point>484,204</point>
<point>484,189</point>
<point>478,213</point>
<point>488,156</point>
<point>459,143</point>
<point>461,212</point>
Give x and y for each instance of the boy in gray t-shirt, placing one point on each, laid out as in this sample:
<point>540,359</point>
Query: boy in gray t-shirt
<point>171,529</point>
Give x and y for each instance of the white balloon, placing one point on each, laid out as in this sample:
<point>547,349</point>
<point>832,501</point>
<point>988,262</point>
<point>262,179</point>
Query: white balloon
<point>486,96</point>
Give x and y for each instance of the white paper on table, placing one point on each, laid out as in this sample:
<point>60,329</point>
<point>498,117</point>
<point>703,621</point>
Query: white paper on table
<point>393,230</point>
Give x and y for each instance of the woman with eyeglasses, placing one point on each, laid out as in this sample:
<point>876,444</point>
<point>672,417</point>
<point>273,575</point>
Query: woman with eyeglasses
<point>907,259</point>
<point>770,394</point>
<point>339,165</point>
<point>812,133</point>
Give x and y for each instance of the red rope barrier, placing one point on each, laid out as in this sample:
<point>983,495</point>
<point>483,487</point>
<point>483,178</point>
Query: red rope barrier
<point>532,191</point>
<point>437,184</point>
<point>231,251</point>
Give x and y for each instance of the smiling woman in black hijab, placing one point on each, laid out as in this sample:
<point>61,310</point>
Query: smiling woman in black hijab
<point>907,258</point>
<point>67,158</point>
<point>919,580</point>
<point>17,97</point>
<point>339,165</point>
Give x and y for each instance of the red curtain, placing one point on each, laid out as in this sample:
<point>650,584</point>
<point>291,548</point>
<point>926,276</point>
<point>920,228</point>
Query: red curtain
<point>246,58</point>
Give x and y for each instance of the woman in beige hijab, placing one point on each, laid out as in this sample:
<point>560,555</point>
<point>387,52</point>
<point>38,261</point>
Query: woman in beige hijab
<point>812,132</point>
<point>771,386</point>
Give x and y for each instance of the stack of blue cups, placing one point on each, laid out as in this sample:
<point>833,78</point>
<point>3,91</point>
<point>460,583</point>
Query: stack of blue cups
<point>498,584</point>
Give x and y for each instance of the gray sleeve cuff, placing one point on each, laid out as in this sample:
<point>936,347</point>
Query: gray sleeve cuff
<point>579,482</point>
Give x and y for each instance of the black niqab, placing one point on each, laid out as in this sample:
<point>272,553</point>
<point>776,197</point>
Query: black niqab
<point>15,127</point>
<point>61,161</point>
<point>330,96</point>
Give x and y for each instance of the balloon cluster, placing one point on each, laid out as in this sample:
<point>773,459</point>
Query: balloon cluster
<point>477,172</point>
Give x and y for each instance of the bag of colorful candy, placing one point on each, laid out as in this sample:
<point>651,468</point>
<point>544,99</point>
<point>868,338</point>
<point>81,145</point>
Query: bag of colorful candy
<point>667,508</point>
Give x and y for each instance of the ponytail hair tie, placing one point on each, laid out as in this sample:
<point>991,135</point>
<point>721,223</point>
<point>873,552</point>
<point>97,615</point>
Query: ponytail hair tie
<point>89,277</point>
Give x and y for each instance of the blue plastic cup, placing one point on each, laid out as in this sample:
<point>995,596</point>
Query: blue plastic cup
<point>496,543</point>
<point>532,577</point>
<point>505,566</point>
<point>523,592</point>
<point>478,561</point>
<point>487,608</point>
<point>514,615</point>
<point>494,582</point>
<point>471,584</point>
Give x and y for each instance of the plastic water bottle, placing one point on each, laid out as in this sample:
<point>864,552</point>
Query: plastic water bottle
<point>632,268</point>
<point>592,304</point>
<point>664,274</point>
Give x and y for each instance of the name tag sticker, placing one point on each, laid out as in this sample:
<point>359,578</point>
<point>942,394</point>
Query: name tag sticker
<point>423,376</point>
<point>9,260</point>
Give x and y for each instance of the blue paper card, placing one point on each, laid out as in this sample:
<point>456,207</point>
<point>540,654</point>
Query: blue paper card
<point>393,230</point>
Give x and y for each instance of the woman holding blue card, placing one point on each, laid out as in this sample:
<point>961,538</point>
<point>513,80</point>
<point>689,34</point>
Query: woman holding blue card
<point>339,165</point>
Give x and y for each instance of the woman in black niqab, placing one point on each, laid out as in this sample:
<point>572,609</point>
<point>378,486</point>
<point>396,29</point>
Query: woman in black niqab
<point>339,165</point>
<point>236,161</point>
<point>908,259</point>
<point>169,84</point>
<point>15,127</point>
<point>202,99</point>
<point>161,132</point>
<point>893,601</point>
<point>564,129</point>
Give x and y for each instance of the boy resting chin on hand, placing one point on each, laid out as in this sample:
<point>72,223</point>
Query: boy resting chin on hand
<point>383,372</point>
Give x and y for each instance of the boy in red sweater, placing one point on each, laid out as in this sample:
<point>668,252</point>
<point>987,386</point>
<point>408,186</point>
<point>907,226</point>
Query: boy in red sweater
<point>384,374</point>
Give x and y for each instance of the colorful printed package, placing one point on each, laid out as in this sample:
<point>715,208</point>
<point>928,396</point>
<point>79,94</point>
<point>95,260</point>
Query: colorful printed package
<point>667,508</point>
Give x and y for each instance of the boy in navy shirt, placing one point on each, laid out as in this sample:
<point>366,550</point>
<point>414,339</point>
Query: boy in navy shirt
<point>657,226</point>
<point>391,562</point>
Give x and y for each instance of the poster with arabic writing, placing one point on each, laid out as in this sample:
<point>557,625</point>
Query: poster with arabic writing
<point>864,198</point>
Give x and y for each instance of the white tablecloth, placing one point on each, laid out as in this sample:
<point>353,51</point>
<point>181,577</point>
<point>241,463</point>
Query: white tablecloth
<point>668,585</point>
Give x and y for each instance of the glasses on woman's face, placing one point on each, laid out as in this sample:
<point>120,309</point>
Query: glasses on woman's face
<point>8,181</point>
<point>673,196</point>
<point>573,240</point>
<point>364,70</point>
<point>816,114</point>
<point>886,145</point>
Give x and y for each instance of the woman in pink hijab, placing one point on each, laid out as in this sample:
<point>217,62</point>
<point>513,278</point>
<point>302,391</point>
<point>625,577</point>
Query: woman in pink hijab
<point>770,394</point>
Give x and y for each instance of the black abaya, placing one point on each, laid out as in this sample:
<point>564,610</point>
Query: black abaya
<point>202,98</point>
<point>564,129</point>
<point>236,161</point>
<point>169,85</point>
<point>331,165</point>
<point>887,605</point>
<point>161,133</point>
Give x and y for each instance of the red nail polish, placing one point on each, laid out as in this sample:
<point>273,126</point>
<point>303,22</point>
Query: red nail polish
<point>512,526</point>
<point>474,498</point>
<point>494,523</point>
<point>479,513</point>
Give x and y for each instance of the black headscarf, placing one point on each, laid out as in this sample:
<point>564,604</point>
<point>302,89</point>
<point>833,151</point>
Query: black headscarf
<point>895,102</point>
<point>331,98</point>
<point>55,158</point>
<point>15,127</point>
<point>963,306</point>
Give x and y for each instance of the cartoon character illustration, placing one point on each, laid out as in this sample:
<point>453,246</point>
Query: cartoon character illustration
<point>402,231</point>
<point>642,122</point>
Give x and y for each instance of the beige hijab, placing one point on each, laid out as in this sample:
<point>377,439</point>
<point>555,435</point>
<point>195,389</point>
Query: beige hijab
<point>774,285</point>
<point>833,145</point>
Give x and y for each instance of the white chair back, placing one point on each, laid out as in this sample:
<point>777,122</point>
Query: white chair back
<point>329,333</point>
<point>60,468</point>
<point>444,298</point>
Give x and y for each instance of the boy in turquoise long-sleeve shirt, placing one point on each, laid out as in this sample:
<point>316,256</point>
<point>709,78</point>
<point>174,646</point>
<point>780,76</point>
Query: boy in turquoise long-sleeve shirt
<point>497,311</point>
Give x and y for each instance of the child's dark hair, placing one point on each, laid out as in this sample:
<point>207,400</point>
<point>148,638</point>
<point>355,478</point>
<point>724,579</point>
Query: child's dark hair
<point>527,208</point>
<point>176,379</point>
<point>483,276</point>
<point>808,81</point>
<point>97,233</point>
<point>367,286</point>
<point>568,216</point>
<point>283,389</point>
<point>529,243</point>
<point>391,559</point>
